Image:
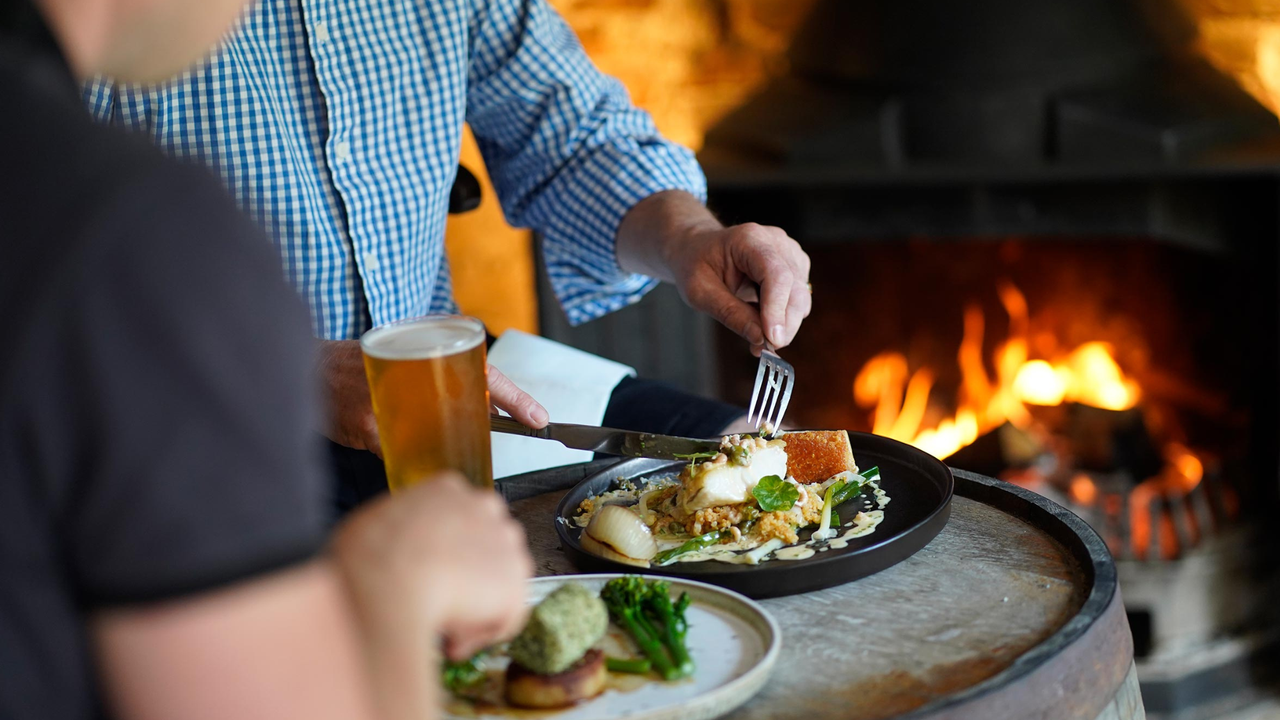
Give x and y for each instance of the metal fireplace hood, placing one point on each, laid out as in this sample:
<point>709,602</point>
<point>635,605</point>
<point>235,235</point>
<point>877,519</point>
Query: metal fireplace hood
<point>941,117</point>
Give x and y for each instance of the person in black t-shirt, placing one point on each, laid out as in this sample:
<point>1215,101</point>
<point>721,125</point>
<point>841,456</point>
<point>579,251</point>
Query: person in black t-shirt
<point>162,510</point>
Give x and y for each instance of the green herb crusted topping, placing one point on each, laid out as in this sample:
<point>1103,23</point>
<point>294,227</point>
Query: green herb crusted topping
<point>561,629</point>
<point>775,494</point>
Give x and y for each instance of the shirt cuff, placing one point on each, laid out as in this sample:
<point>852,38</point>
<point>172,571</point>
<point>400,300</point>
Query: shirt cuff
<point>579,250</point>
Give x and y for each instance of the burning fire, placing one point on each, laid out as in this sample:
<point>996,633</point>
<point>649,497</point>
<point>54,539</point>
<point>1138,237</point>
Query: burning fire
<point>1087,374</point>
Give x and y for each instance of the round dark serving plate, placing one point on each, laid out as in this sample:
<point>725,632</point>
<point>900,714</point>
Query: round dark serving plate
<point>919,488</point>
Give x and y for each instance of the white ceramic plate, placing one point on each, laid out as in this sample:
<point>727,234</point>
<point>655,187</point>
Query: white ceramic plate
<point>733,641</point>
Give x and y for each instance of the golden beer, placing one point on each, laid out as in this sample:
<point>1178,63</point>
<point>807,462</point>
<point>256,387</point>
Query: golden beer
<point>427,377</point>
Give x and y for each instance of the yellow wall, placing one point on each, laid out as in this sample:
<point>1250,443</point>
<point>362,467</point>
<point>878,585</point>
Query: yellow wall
<point>1242,38</point>
<point>492,263</point>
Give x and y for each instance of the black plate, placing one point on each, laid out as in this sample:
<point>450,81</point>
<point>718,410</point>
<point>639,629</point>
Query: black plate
<point>919,487</point>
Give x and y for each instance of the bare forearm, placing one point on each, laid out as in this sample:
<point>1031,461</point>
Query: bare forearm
<point>280,645</point>
<point>398,636</point>
<point>720,271</point>
<point>650,231</point>
<point>404,668</point>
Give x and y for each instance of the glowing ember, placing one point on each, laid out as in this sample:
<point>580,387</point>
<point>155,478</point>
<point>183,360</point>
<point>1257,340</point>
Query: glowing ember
<point>1082,490</point>
<point>1182,473</point>
<point>1189,468</point>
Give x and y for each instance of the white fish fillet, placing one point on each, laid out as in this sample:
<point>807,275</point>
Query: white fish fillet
<point>730,484</point>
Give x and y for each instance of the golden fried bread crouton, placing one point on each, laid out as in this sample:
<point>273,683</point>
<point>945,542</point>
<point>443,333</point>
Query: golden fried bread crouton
<point>815,455</point>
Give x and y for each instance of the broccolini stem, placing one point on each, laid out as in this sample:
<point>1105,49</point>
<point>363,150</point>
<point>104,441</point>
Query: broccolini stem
<point>674,629</point>
<point>647,638</point>
<point>634,666</point>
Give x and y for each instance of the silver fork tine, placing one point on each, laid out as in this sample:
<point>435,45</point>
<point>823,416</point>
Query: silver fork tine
<point>777,379</point>
<point>755,395</point>
<point>770,395</point>
<point>788,378</point>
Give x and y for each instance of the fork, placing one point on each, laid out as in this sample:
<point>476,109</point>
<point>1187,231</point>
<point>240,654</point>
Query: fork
<point>777,378</point>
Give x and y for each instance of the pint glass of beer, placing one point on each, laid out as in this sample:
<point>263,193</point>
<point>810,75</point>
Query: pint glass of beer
<point>430,397</point>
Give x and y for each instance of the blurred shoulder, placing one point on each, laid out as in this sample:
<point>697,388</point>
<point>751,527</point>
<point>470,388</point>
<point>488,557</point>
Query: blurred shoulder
<point>61,169</point>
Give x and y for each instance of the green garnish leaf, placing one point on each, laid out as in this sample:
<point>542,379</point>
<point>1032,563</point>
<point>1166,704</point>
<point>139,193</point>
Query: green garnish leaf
<point>458,676</point>
<point>774,494</point>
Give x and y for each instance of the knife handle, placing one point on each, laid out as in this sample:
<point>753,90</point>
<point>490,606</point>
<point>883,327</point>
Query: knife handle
<point>497,423</point>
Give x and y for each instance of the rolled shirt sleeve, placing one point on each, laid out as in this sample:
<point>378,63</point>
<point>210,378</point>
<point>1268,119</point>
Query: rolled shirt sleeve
<point>568,153</point>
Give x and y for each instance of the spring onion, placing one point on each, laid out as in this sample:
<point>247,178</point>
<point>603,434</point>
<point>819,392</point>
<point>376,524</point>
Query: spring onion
<point>824,531</point>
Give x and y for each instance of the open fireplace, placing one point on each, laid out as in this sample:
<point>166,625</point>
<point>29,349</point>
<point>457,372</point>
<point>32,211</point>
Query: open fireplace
<point>1045,246</point>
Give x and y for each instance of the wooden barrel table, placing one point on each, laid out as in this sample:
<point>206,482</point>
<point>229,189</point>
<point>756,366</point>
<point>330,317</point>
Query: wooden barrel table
<point>1011,612</point>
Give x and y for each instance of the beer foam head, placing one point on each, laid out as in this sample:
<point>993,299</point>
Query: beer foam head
<point>423,338</point>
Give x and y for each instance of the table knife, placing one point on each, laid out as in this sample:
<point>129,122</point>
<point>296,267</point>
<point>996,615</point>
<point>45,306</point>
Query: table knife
<point>611,441</point>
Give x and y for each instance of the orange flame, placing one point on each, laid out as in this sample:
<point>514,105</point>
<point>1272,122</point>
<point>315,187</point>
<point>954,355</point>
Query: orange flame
<point>899,399</point>
<point>1087,374</point>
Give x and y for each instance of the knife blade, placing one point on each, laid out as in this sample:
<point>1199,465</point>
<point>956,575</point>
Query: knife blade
<point>609,440</point>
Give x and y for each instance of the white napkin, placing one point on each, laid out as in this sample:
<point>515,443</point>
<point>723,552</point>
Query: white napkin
<point>574,386</point>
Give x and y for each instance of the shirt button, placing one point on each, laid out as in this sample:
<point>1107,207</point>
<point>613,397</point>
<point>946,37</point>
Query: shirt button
<point>322,32</point>
<point>371,262</point>
<point>342,150</point>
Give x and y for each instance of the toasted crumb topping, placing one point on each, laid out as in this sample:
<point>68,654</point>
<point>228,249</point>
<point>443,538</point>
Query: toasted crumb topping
<point>720,517</point>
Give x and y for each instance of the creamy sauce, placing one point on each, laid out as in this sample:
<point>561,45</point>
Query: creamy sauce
<point>733,553</point>
<point>720,553</point>
<point>864,523</point>
<point>795,552</point>
<point>882,498</point>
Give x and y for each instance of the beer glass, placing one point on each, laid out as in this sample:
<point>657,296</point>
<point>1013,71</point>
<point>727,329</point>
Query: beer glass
<point>428,380</point>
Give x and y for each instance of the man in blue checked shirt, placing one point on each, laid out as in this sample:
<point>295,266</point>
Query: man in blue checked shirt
<point>337,126</point>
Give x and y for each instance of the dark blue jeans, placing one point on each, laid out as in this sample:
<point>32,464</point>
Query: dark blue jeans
<point>636,404</point>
